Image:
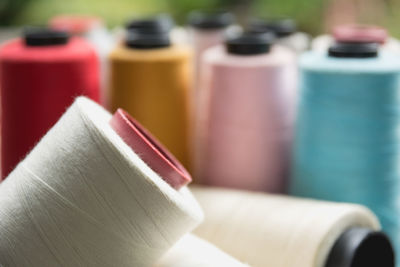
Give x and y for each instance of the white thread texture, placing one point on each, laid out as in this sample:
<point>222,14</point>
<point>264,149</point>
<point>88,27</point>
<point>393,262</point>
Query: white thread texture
<point>271,230</point>
<point>82,197</point>
<point>192,251</point>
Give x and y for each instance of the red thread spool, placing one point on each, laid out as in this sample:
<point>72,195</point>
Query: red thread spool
<point>360,33</point>
<point>40,76</point>
<point>155,155</point>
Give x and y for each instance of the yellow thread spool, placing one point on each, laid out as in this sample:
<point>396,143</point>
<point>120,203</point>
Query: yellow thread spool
<point>153,85</point>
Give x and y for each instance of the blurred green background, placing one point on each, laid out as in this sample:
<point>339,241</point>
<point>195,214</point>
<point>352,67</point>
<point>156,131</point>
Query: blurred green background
<point>313,16</point>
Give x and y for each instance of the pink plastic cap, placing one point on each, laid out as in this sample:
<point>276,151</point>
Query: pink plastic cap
<point>155,155</point>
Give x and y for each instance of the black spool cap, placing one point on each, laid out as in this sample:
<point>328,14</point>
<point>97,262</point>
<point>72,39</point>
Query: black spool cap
<point>210,20</point>
<point>353,50</point>
<point>249,44</point>
<point>45,37</point>
<point>361,247</point>
<point>161,23</point>
<point>280,27</point>
<point>141,40</point>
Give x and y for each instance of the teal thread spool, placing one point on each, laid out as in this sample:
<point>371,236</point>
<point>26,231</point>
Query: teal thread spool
<point>347,144</point>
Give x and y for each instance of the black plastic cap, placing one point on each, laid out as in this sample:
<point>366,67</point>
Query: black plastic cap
<point>210,20</point>
<point>280,27</point>
<point>141,40</point>
<point>45,37</point>
<point>353,50</point>
<point>361,247</point>
<point>158,24</point>
<point>249,44</point>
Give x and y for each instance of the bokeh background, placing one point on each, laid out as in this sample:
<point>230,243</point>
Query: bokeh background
<point>313,16</point>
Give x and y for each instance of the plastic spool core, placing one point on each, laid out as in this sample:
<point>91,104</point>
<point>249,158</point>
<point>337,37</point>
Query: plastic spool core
<point>360,33</point>
<point>361,247</point>
<point>141,40</point>
<point>149,33</point>
<point>162,23</point>
<point>280,27</point>
<point>249,44</point>
<point>353,50</point>
<point>210,20</point>
<point>149,149</point>
<point>45,37</point>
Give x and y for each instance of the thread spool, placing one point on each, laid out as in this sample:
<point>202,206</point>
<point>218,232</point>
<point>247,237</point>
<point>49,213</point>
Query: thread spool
<point>285,30</point>
<point>247,115</point>
<point>272,230</point>
<point>360,33</point>
<point>75,24</point>
<point>84,197</point>
<point>41,74</point>
<point>192,251</point>
<point>207,29</point>
<point>346,142</point>
<point>151,79</point>
<point>357,33</point>
<point>91,28</point>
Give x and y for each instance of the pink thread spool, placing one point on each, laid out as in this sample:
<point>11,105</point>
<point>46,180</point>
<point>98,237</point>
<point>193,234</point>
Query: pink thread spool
<point>247,114</point>
<point>207,29</point>
<point>357,33</point>
<point>360,33</point>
